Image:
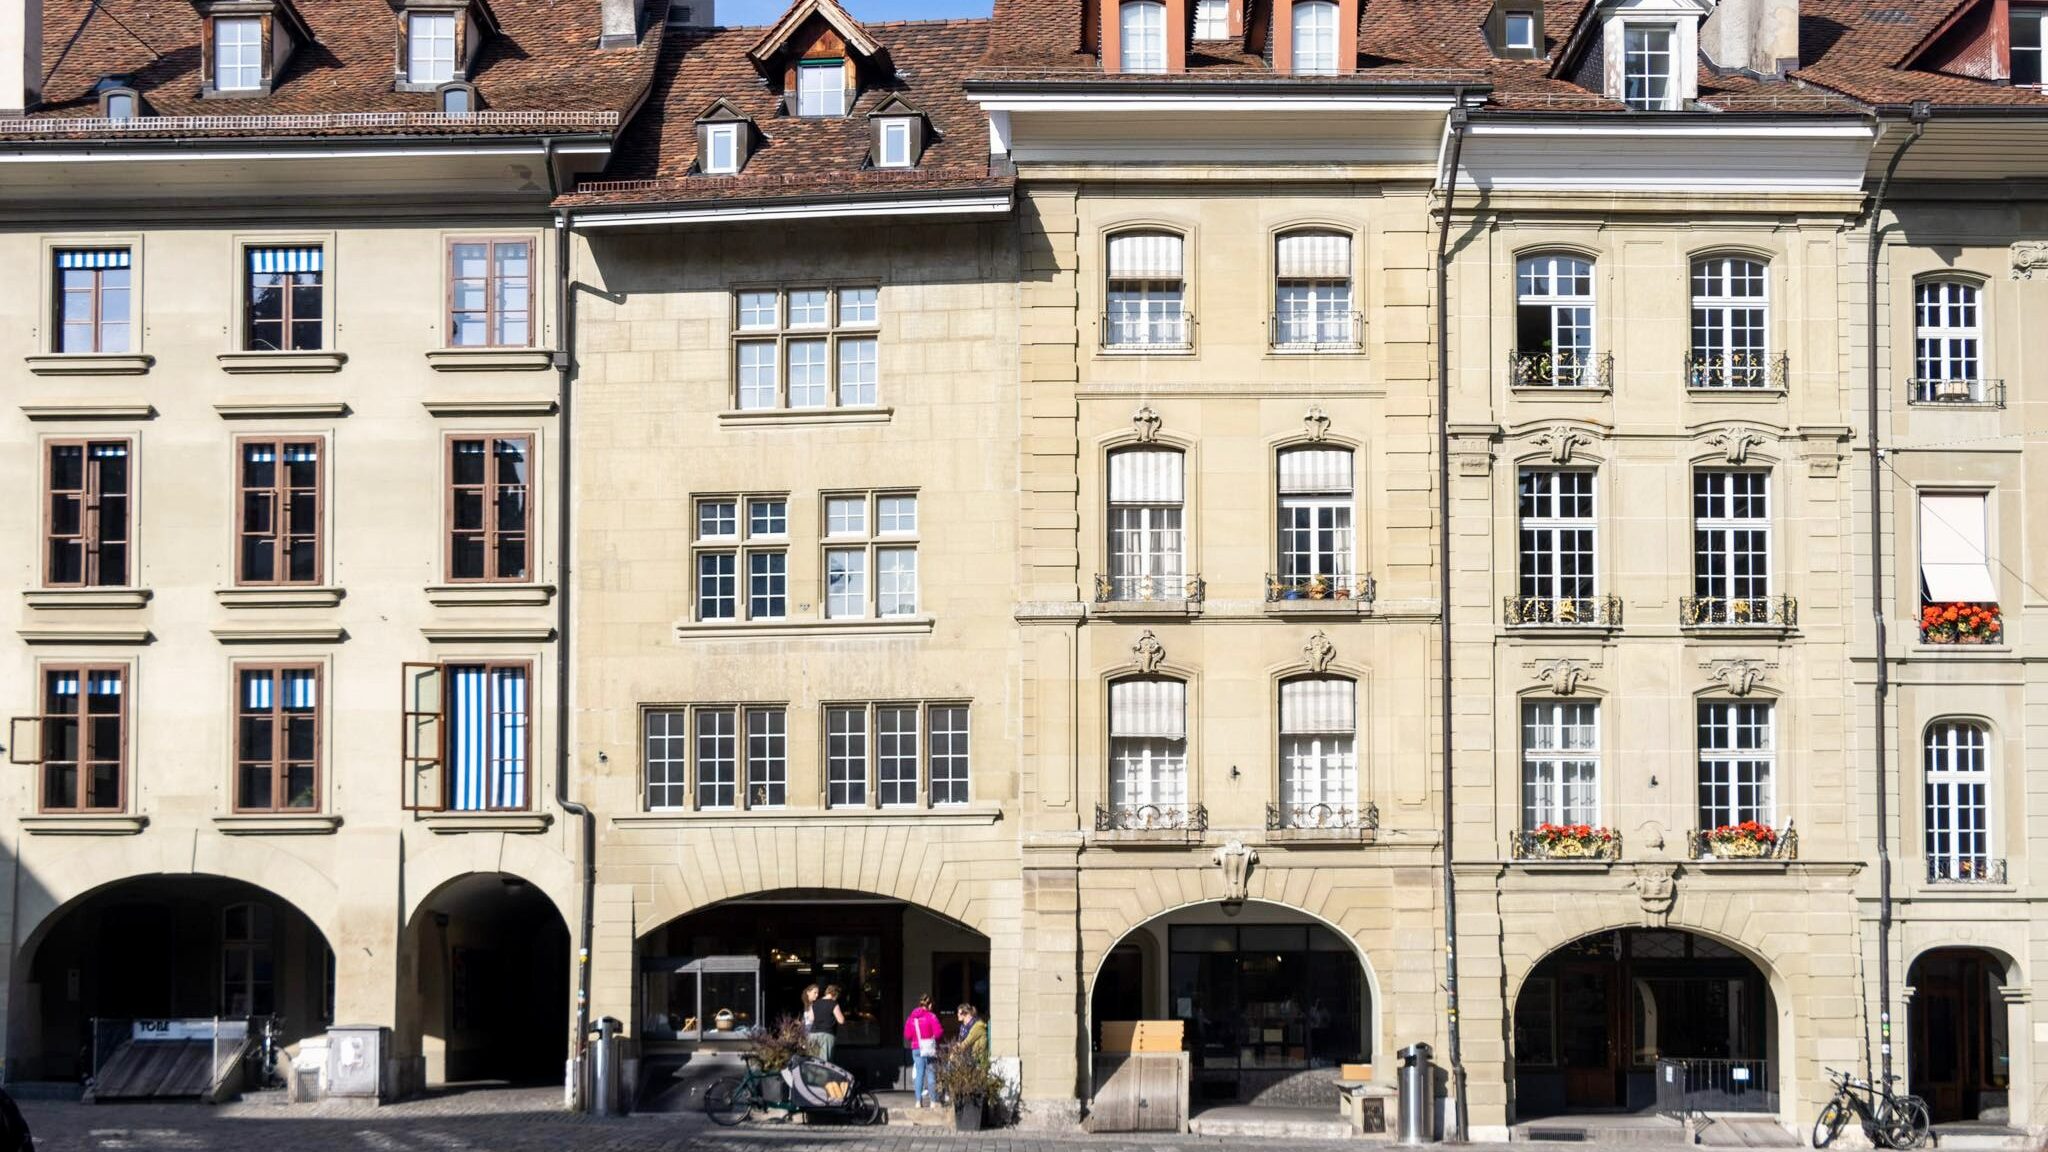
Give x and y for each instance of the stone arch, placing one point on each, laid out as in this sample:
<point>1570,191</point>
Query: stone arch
<point>533,859</point>
<point>1578,919</point>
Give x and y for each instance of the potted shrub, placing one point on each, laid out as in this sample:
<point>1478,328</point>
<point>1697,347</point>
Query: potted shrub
<point>1573,841</point>
<point>971,1086</point>
<point>1747,840</point>
<point>775,1047</point>
<point>1960,623</point>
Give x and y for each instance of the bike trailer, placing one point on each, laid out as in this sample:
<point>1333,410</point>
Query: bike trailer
<point>816,1084</point>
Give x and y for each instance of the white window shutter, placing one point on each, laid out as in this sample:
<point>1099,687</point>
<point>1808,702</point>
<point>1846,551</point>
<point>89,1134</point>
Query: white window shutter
<point>1315,256</point>
<point>1155,709</point>
<point>1954,562</point>
<point>1145,256</point>
<point>1321,705</point>
<point>1146,476</point>
<point>1315,471</point>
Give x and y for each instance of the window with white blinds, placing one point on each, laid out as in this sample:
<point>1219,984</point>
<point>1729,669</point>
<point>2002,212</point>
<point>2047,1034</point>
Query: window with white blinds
<point>1319,751</point>
<point>1312,294</point>
<point>1148,732</point>
<point>1147,556</point>
<point>1146,290</point>
<point>1316,515</point>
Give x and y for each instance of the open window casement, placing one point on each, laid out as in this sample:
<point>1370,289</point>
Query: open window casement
<point>423,721</point>
<point>25,740</point>
<point>1955,565</point>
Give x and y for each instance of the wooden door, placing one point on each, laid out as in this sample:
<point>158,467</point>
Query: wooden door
<point>1589,1034</point>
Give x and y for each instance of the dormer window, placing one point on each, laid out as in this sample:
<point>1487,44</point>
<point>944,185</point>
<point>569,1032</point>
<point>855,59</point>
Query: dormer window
<point>1212,19</point>
<point>1518,32</point>
<point>1143,36</point>
<point>1315,38</point>
<point>821,88</point>
<point>721,149</point>
<point>895,141</point>
<point>1649,82</point>
<point>2028,40</point>
<point>430,47</point>
<point>246,45</point>
<point>120,105</point>
<point>457,99</point>
<point>237,54</point>
<point>118,101</point>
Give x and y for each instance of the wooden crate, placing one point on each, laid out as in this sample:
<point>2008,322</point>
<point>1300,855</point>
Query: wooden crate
<point>1142,1035</point>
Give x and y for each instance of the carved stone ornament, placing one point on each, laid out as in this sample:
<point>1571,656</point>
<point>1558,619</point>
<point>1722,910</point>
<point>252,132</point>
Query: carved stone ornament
<point>1236,859</point>
<point>1146,421</point>
<point>1656,890</point>
<point>1316,423</point>
<point>1738,676</point>
<point>1319,652</point>
<point>1150,653</point>
<point>1563,676</point>
<point>1562,442</point>
<point>2029,257</point>
<point>1735,443</point>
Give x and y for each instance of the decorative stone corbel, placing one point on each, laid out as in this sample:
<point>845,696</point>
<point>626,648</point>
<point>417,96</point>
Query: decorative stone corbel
<point>2029,257</point>
<point>1563,440</point>
<point>1656,891</point>
<point>1235,859</point>
<point>1149,652</point>
<point>1319,652</point>
<point>1146,422</point>
<point>1316,423</point>
<point>1738,676</point>
<point>1735,443</point>
<point>1563,675</point>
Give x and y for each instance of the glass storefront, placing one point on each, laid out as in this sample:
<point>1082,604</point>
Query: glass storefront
<point>1264,999</point>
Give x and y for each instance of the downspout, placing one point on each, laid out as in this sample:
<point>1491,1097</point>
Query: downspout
<point>1460,1111</point>
<point>564,618</point>
<point>1881,683</point>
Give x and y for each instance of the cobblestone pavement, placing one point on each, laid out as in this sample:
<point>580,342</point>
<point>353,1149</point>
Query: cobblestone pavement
<point>523,1120</point>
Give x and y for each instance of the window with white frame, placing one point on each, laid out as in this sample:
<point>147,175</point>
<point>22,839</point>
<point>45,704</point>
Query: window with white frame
<point>1315,38</point>
<point>805,348</point>
<point>1148,748</point>
<point>1958,801</point>
<point>1731,315</point>
<point>722,149</point>
<point>1731,535</point>
<point>1146,291</point>
<point>1560,762</point>
<point>1518,31</point>
<point>1212,19</point>
<point>237,53</point>
<point>1147,494</point>
<point>717,757</point>
<point>1948,341</point>
<point>1648,67</point>
<point>1738,763</point>
<point>870,555</point>
<point>821,88</point>
<point>1556,539</point>
<point>846,757</point>
<point>1319,752</point>
<point>742,535</point>
<point>2026,35</point>
<point>430,47</point>
<point>1316,509</point>
<point>767,758</point>
<point>1142,36</point>
<point>1554,321</point>
<point>895,143</point>
<point>665,758</point>
<point>1312,305</point>
<point>1955,564</point>
<point>893,753</point>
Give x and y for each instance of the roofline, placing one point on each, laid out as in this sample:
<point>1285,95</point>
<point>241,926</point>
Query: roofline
<point>831,207</point>
<point>1663,122</point>
<point>1180,84</point>
<point>2016,113</point>
<point>99,148</point>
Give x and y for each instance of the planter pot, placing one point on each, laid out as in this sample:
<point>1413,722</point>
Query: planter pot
<point>1738,849</point>
<point>1568,850</point>
<point>967,1115</point>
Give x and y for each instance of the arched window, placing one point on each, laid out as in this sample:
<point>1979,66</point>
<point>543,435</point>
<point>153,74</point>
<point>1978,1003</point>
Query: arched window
<point>1731,314</point>
<point>1312,291</point>
<point>1316,516</point>
<point>1146,291</point>
<point>1148,752</point>
<point>1315,38</point>
<point>1319,752</point>
<point>1557,579</point>
<point>1560,762</point>
<point>1948,341</point>
<point>247,964</point>
<point>1731,550</point>
<point>1147,547</point>
<point>1554,322</point>
<point>1958,801</point>
<point>1143,24</point>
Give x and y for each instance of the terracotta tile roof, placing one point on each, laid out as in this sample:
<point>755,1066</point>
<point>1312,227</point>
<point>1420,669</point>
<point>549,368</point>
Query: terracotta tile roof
<point>542,72</point>
<point>795,157</point>
<point>1857,47</point>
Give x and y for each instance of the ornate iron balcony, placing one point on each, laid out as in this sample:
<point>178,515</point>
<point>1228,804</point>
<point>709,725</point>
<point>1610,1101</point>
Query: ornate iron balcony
<point>1567,369</point>
<point>1738,612</point>
<point>1734,370</point>
<point>1957,393</point>
<point>1170,333</point>
<point>1322,818</point>
<point>1315,331</point>
<point>1148,589</point>
<point>1561,611</point>
<point>1965,870</point>
<point>1359,589</point>
<point>1189,818</point>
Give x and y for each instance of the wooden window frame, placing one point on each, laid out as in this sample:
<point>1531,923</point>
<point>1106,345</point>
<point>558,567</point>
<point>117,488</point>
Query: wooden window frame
<point>835,331</point>
<point>493,317</point>
<point>98,293</point>
<point>416,753</point>
<point>286,320</point>
<point>90,536</point>
<point>42,719</point>
<point>489,492</point>
<point>278,762</point>
<point>280,493</point>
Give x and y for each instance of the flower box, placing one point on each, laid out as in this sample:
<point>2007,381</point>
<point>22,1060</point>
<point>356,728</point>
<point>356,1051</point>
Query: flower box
<point>1569,842</point>
<point>1961,623</point>
<point>1748,840</point>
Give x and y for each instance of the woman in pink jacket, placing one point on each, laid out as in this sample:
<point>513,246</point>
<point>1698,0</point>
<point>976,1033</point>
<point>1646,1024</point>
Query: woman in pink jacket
<point>921,1033</point>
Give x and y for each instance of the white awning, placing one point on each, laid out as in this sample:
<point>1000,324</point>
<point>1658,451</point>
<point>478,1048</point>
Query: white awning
<point>1149,708</point>
<point>1326,704</point>
<point>1315,256</point>
<point>1315,471</point>
<point>1954,563</point>
<point>1145,256</point>
<point>1146,476</point>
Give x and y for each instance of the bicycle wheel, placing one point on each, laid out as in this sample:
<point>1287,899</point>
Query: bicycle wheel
<point>1906,1123</point>
<point>864,1109</point>
<point>730,1100</point>
<point>1832,1117</point>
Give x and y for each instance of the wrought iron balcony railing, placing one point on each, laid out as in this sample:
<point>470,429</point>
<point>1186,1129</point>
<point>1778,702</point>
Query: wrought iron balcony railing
<point>1965,870</point>
<point>1599,844</point>
<point>1148,589</point>
<point>1181,818</point>
<point>1738,611</point>
<point>1957,393</point>
<point>1323,818</point>
<point>1357,589</point>
<point>1735,844</point>
<point>1315,331</point>
<point>1561,611</point>
<point>1736,370</point>
<point>1171,332</point>
<point>1567,369</point>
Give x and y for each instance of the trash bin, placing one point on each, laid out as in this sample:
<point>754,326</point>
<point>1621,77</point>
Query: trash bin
<point>1418,1109</point>
<point>604,1059</point>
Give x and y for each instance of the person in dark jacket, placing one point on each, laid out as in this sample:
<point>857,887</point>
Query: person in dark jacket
<point>825,1021</point>
<point>14,1134</point>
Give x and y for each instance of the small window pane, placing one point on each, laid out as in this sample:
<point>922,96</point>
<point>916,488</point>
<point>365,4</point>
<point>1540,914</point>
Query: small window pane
<point>896,515</point>
<point>857,305</point>
<point>717,518</point>
<point>856,372</point>
<point>809,308</point>
<point>757,310</point>
<point>767,517</point>
<point>846,583</point>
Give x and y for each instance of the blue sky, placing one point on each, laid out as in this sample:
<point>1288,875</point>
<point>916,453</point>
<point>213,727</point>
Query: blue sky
<point>739,13</point>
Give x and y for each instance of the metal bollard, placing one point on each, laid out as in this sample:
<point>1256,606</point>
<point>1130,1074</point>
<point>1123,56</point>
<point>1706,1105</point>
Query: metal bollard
<point>605,1060</point>
<point>1418,1104</point>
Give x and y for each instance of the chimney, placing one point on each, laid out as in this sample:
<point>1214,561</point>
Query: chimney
<point>21,56</point>
<point>1755,36</point>
<point>621,24</point>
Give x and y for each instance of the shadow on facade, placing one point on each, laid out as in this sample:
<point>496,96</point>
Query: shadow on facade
<point>489,999</point>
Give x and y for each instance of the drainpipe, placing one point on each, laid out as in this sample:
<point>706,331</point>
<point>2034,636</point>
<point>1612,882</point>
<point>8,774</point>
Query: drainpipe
<point>1460,1112</point>
<point>564,619</point>
<point>1921,112</point>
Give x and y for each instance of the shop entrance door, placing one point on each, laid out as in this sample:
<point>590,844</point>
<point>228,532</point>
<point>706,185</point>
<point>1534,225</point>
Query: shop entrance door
<point>1588,1023</point>
<point>1960,1055</point>
<point>959,978</point>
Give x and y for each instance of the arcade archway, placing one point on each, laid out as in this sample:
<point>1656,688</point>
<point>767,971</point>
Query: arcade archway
<point>1961,1044</point>
<point>490,992</point>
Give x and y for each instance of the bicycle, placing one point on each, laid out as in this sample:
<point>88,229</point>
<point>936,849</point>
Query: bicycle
<point>732,1099</point>
<point>1888,1120</point>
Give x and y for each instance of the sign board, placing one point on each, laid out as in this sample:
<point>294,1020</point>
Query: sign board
<point>1739,1075</point>
<point>194,1029</point>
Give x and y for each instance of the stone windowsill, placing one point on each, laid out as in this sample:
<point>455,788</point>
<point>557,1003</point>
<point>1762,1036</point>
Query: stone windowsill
<point>90,364</point>
<point>242,363</point>
<point>94,598</point>
<point>491,359</point>
<point>276,824</point>
<point>1739,631</point>
<point>84,824</point>
<point>1740,395</point>
<point>779,629</point>
<point>488,633</point>
<point>483,595</point>
<point>1921,648</point>
<point>1145,609</point>
<point>1304,607</point>
<point>1751,864</point>
<point>803,417</point>
<point>89,410</point>
<point>514,823</point>
<point>1128,351</point>
<point>1336,837</point>
<point>1575,392</point>
<point>945,815</point>
<point>1549,864</point>
<point>279,596</point>
<point>280,634</point>
<point>1146,838</point>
